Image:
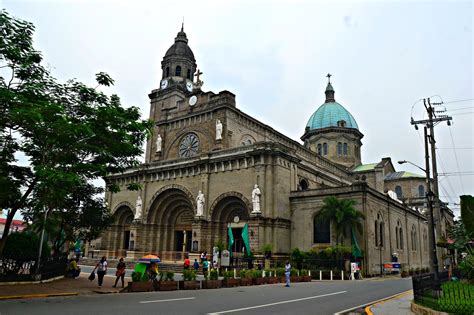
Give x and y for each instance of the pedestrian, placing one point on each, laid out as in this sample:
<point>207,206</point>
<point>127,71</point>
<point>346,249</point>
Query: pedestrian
<point>287,273</point>
<point>101,270</point>
<point>187,263</point>
<point>196,265</point>
<point>205,267</point>
<point>120,273</point>
<point>202,257</point>
<point>73,269</point>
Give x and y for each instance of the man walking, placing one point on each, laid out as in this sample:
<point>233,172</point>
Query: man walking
<point>287,273</point>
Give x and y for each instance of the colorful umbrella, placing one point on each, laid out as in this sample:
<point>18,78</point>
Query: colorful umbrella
<point>150,259</point>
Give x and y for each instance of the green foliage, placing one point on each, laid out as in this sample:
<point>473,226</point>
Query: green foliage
<point>280,272</point>
<point>457,297</point>
<point>460,235</point>
<point>70,133</point>
<point>189,275</point>
<point>136,276</point>
<point>213,274</point>
<point>467,212</point>
<point>467,265</point>
<point>293,272</point>
<point>297,256</point>
<point>256,273</point>
<point>343,214</point>
<point>25,244</point>
<point>228,274</point>
<point>166,276</point>
<point>266,249</point>
<point>304,272</point>
<point>220,245</point>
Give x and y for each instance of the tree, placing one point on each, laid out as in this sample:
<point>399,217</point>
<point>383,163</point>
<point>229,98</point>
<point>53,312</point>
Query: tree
<point>69,132</point>
<point>467,212</point>
<point>343,214</point>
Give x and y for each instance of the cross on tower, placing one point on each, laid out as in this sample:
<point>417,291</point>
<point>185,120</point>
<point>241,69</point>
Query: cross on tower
<point>197,76</point>
<point>329,77</point>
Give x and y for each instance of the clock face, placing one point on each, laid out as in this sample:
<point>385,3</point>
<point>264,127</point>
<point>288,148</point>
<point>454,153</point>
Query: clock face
<point>189,86</point>
<point>192,100</point>
<point>189,146</point>
<point>164,84</point>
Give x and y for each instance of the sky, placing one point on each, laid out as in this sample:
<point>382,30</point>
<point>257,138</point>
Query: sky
<point>384,56</point>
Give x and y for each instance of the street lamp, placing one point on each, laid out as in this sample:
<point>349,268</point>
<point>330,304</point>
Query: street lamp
<point>430,197</point>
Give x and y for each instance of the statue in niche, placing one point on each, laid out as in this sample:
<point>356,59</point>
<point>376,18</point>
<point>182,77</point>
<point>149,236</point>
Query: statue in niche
<point>218,130</point>
<point>138,209</point>
<point>200,200</point>
<point>256,193</point>
<point>159,142</point>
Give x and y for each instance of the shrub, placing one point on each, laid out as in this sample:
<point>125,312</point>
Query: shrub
<point>280,272</point>
<point>213,274</point>
<point>256,274</point>
<point>467,266</point>
<point>136,276</point>
<point>457,298</point>
<point>293,272</point>
<point>25,244</point>
<point>303,272</point>
<point>189,275</point>
<point>166,276</point>
<point>228,274</point>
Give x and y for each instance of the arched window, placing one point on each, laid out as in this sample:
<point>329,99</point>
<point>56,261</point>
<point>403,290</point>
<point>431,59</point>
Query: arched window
<point>319,149</point>
<point>400,230</point>
<point>167,71</point>
<point>379,231</point>
<point>321,231</point>
<point>413,238</point>
<point>304,184</point>
<point>325,148</point>
<point>345,148</point>
<point>399,233</point>
<point>396,236</point>
<point>339,148</point>
<point>188,74</point>
<point>425,240</point>
<point>376,233</point>
<point>421,191</point>
<point>178,71</point>
<point>398,191</point>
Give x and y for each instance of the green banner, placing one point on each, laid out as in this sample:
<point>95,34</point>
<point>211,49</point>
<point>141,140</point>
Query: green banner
<point>356,251</point>
<point>231,238</point>
<point>245,238</point>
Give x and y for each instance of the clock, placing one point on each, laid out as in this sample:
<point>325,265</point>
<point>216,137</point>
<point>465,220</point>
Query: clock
<point>192,100</point>
<point>189,86</point>
<point>236,219</point>
<point>164,84</point>
<point>189,146</point>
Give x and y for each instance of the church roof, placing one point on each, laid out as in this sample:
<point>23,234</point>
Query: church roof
<point>402,174</point>
<point>365,167</point>
<point>330,113</point>
<point>180,47</point>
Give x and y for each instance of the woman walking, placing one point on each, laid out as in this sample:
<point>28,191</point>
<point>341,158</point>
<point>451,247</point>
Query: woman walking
<point>120,273</point>
<point>101,270</point>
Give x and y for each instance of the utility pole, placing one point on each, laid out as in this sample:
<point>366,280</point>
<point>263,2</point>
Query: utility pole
<point>432,195</point>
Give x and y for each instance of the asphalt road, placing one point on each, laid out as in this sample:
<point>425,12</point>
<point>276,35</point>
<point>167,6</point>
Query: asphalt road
<point>301,298</point>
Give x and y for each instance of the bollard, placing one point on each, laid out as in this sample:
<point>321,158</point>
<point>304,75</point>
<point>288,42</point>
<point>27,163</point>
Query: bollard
<point>331,275</point>
<point>320,275</point>
<point>309,273</point>
<point>263,274</point>
<point>342,274</point>
<point>235,273</point>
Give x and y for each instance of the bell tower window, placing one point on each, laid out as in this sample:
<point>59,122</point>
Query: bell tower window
<point>345,148</point>
<point>339,148</point>
<point>188,74</point>
<point>319,149</point>
<point>167,72</point>
<point>325,148</point>
<point>178,71</point>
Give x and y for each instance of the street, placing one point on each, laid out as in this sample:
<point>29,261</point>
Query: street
<point>301,298</point>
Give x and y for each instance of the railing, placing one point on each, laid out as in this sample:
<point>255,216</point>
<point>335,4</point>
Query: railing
<point>24,268</point>
<point>427,290</point>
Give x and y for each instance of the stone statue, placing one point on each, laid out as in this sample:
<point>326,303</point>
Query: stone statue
<point>159,141</point>
<point>256,193</point>
<point>218,130</point>
<point>138,209</point>
<point>200,200</point>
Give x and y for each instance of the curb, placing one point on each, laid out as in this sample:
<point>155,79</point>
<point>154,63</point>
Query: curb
<point>370,304</point>
<point>28,296</point>
<point>369,312</point>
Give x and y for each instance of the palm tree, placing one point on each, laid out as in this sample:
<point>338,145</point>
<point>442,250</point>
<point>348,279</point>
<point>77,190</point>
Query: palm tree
<point>343,214</point>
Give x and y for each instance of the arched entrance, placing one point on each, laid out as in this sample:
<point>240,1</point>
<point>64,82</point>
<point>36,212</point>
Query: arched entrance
<point>230,209</point>
<point>170,218</point>
<point>120,233</point>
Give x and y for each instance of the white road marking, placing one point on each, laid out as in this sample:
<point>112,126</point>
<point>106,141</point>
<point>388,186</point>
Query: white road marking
<point>168,300</point>
<point>276,303</point>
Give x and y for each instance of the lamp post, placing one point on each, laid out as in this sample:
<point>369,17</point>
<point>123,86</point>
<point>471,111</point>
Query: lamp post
<point>430,197</point>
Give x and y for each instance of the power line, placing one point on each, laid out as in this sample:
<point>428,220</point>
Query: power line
<point>452,110</point>
<point>458,101</point>
<point>457,161</point>
<point>466,113</point>
<point>463,148</point>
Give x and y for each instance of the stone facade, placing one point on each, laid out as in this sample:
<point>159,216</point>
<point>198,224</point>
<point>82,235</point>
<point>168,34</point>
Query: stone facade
<point>293,179</point>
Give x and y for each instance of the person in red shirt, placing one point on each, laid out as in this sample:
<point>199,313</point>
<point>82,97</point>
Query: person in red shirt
<point>187,263</point>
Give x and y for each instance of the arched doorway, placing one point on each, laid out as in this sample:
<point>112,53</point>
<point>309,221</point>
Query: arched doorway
<point>231,210</point>
<point>123,218</point>
<point>170,218</point>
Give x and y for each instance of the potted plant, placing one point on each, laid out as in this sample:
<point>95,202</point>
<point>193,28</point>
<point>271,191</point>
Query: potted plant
<point>140,283</point>
<point>189,282</point>
<point>229,280</point>
<point>167,282</point>
<point>294,277</point>
<point>213,282</point>
<point>257,278</point>
<point>304,275</point>
<point>245,277</point>
<point>270,276</point>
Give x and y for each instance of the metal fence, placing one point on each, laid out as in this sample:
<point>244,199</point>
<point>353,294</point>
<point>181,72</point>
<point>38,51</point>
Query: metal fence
<point>427,290</point>
<point>24,268</point>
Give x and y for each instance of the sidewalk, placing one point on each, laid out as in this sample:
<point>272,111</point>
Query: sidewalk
<point>61,287</point>
<point>399,305</point>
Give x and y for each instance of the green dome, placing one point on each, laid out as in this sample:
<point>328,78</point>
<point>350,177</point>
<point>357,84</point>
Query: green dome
<point>328,114</point>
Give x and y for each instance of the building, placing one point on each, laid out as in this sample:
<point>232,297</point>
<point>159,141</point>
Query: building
<point>207,158</point>
<point>16,226</point>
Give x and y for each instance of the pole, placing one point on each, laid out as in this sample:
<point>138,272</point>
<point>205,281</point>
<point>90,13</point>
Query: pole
<point>40,250</point>
<point>433,254</point>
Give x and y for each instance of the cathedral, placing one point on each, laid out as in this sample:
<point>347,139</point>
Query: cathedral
<point>210,167</point>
